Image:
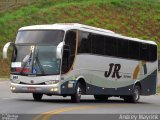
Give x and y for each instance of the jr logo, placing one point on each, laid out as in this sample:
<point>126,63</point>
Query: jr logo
<point>115,73</point>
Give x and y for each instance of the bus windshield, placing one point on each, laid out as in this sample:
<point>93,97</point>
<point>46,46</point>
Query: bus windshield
<point>53,37</point>
<point>35,60</point>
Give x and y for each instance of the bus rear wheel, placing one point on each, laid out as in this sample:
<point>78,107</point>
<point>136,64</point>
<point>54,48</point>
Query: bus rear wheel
<point>101,97</point>
<point>75,98</point>
<point>135,97</point>
<point>37,96</point>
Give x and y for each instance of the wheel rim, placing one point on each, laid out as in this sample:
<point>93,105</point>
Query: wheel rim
<point>136,93</point>
<point>79,91</point>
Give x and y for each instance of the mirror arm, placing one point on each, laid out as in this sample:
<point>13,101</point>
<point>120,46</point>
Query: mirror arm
<point>5,49</point>
<point>59,50</point>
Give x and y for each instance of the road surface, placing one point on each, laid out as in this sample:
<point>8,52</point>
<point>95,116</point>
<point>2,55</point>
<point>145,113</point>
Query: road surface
<point>52,106</point>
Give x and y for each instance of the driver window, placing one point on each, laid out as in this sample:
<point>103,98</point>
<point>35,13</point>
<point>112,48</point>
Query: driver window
<point>69,51</point>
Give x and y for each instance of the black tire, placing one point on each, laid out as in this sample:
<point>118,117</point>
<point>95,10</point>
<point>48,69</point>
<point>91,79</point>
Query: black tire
<point>37,96</point>
<point>101,97</point>
<point>135,97</point>
<point>75,98</point>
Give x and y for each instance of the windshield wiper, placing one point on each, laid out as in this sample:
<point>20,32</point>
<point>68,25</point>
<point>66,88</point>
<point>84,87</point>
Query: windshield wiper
<point>39,64</point>
<point>26,61</point>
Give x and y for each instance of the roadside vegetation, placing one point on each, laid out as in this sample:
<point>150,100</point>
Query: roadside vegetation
<point>135,18</point>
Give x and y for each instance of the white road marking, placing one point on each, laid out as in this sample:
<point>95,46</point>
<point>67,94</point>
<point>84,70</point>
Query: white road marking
<point>5,98</point>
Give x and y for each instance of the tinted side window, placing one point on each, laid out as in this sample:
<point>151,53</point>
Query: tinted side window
<point>98,44</point>
<point>110,46</point>
<point>53,37</point>
<point>133,50</point>
<point>144,52</point>
<point>66,59</point>
<point>122,48</point>
<point>84,42</point>
<point>70,41</point>
<point>69,51</point>
<point>153,52</point>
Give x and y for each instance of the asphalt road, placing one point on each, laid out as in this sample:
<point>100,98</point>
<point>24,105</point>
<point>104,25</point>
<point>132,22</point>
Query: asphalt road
<point>52,106</point>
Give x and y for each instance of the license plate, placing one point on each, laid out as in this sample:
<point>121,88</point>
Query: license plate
<point>31,88</point>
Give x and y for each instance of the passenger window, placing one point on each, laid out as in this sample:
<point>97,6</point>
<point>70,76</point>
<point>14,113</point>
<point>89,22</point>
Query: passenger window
<point>110,46</point>
<point>122,48</point>
<point>98,44</point>
<point>153,52</point>
<point>144,51</point>
<point>133,50</point>
<point>84,43</point>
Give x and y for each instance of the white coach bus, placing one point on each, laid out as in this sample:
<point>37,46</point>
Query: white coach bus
<point>74,59</point>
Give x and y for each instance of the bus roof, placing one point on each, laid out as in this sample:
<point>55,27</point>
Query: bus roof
<point>68,26</point>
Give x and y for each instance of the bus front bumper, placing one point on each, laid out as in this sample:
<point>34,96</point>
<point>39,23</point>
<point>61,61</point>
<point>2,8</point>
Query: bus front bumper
<point>53,89</point>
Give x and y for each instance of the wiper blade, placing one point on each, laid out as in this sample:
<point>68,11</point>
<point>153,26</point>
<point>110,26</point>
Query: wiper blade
<point>39,64</point>
<point>26,60</point>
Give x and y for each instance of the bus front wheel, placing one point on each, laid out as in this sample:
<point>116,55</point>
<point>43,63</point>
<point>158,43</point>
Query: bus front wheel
<point>75,98</point>
<point>135,97</point>
<point>37,96</point>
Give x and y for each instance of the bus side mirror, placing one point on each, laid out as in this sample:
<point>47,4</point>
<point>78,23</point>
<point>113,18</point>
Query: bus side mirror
<point>5,49</point>
<point>59,50</point>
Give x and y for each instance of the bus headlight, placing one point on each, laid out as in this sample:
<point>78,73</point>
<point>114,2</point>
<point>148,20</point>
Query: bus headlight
<point>54,89</point>
<point>52,82</point>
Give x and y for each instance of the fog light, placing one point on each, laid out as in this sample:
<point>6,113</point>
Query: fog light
<point>12,88</point>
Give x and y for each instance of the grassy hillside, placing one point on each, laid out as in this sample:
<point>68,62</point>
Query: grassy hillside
<point>9,4</point>
<point>135,18</point>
